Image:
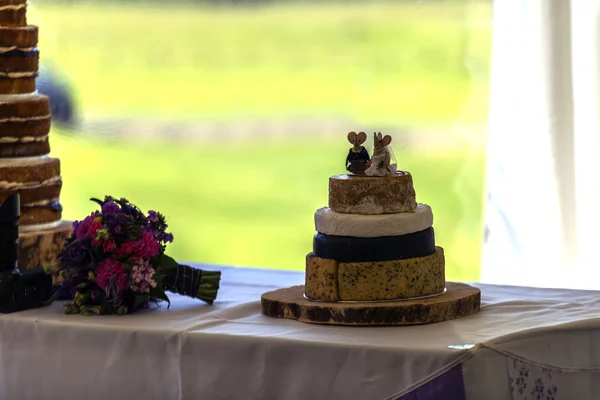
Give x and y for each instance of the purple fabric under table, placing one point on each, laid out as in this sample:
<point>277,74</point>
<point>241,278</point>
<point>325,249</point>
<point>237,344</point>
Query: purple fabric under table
<point>449,386</point>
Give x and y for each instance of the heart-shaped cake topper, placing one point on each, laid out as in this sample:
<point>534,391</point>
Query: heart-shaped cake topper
<point>357,138</point>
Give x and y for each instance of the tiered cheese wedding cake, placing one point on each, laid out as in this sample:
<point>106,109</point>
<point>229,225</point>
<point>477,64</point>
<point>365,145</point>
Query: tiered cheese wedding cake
<point>374,242</point>
<point>25,166</point>
<point>374,258</point>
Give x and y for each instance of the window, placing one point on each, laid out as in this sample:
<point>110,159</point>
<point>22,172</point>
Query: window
<point>229,118</point>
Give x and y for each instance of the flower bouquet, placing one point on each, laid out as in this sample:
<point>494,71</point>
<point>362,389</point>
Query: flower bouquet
<point>115,263</point>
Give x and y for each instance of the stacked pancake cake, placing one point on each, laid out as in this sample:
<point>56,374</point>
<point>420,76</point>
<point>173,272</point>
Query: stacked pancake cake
<point>25,167</point>
<point>374,242</point>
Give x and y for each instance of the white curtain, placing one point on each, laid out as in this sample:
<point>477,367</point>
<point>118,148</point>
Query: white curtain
<point>543,172</point>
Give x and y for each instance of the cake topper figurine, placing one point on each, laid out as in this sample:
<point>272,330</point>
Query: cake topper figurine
<point>358,157</point>
<point>381,162</point>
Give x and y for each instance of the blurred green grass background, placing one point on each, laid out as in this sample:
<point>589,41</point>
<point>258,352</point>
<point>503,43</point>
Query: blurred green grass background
<point>251,202</point>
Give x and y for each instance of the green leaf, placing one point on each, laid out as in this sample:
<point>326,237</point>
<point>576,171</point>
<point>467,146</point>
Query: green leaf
<point>158,293</point>
<point>160,278</point>
<point>71,309</point>
<point>167,263</point>
<point>162,264</point>
<point>100,202</point>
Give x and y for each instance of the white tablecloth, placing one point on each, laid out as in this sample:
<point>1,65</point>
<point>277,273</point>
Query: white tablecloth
<point>231,351</point>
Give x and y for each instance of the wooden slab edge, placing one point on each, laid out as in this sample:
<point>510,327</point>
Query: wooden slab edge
<point>460,300</point>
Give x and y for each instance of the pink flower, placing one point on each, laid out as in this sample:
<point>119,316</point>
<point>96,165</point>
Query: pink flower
<point>124,250</point>
<point>93,228</point>
<point>111,270</point>
<point>146,246</point>
<point>142,278</point>
<point>83,228</point>
<point>134,260</point>
<point>109,245</point>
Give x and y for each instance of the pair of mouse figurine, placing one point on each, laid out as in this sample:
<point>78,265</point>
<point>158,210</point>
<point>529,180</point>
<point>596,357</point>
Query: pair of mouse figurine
<point>358,161</point>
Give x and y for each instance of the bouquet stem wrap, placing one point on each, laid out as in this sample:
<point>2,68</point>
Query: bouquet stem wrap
<point>193,282</point>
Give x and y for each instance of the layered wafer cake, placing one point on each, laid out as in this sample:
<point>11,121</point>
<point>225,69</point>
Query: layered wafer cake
<point>18,46</point>
<point>25,165</point>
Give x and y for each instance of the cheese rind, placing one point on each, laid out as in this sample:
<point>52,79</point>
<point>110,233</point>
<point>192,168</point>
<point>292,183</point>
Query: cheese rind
<point>355,194</point>
<point>392,280</point>
<point>321,278</point>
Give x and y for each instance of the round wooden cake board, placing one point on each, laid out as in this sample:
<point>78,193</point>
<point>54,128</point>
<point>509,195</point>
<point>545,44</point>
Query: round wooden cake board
<point>458,301</point>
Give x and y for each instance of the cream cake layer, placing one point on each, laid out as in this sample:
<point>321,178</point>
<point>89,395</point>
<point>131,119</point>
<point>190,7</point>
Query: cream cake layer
<point>39,227</point>
<point>333,223</point>
<point>22,96</point>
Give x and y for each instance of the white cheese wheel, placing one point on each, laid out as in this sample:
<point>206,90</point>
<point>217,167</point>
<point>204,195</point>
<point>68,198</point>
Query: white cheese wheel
<point>333,223</point>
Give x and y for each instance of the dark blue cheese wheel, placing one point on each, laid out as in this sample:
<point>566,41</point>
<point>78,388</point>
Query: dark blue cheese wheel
<point>385,248</point>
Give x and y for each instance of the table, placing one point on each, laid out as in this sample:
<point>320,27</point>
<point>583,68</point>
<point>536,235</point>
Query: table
<point>544,339</point>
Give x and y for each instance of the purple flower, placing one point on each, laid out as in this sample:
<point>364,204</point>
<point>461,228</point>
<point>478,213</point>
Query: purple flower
<point>114,224</point>
<point>76,255</point>
<point>124,219</point>
<point>132,212</point>
<point>152,216</point>
<point>110,207</point>
<point>166,237</point>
